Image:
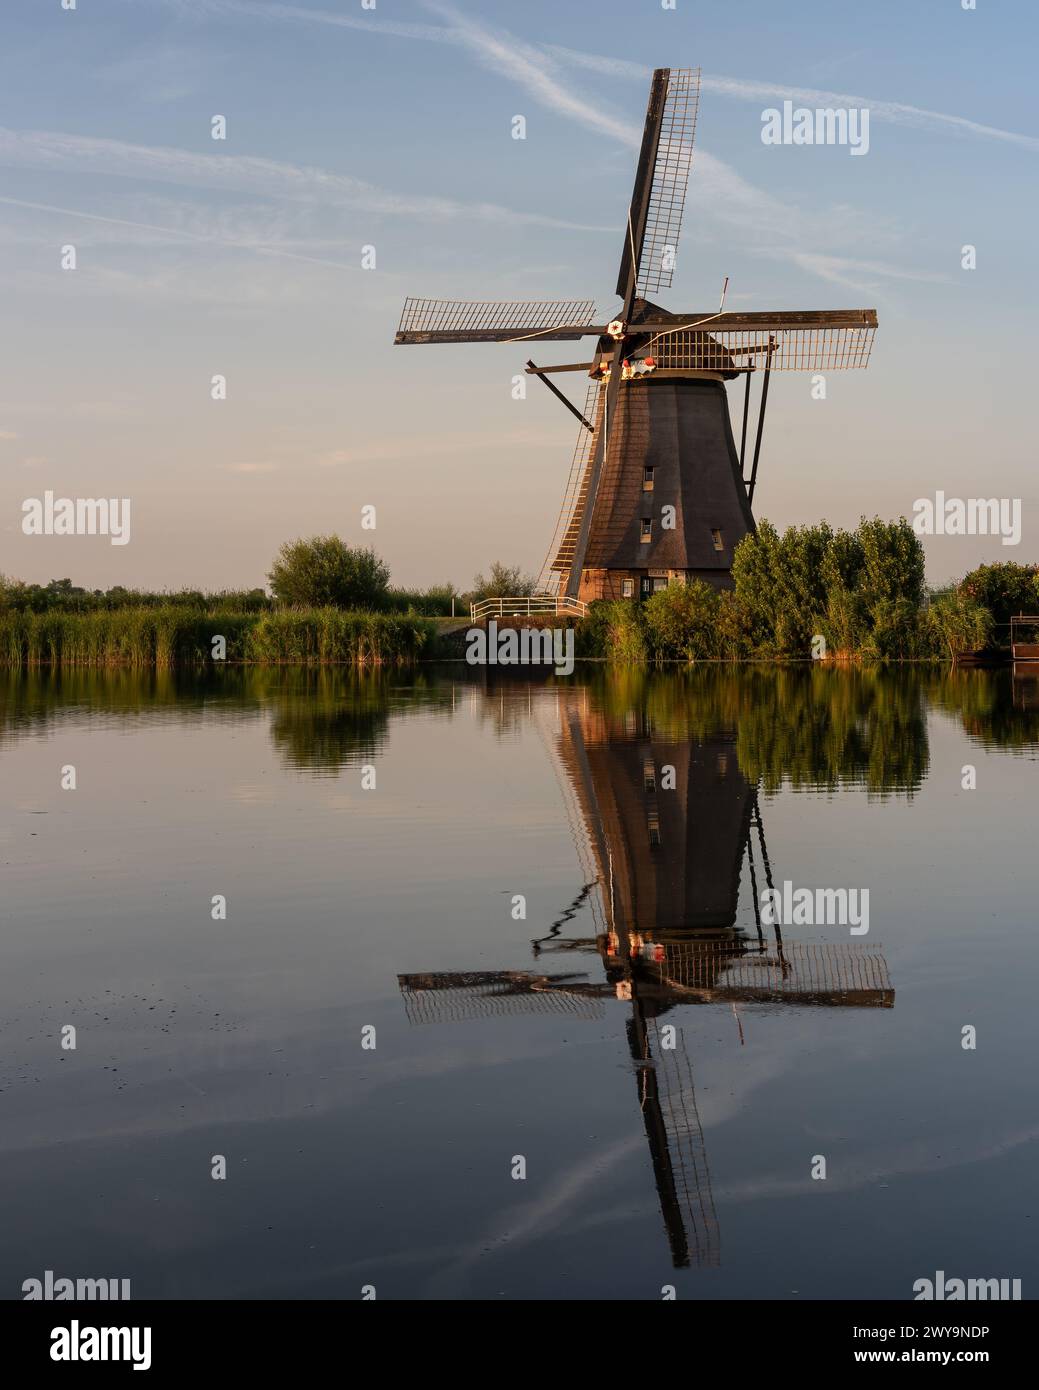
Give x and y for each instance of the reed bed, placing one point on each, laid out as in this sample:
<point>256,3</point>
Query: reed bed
<point>173,636</point>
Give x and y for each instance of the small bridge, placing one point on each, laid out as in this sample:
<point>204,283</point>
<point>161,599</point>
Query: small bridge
<point>527,607</point>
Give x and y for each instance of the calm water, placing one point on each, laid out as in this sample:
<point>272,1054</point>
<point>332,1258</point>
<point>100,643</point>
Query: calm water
<point>667,1069</point>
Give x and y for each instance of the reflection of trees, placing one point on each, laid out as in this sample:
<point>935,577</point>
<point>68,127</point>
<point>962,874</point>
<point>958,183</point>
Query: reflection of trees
<point>998,708</point>
<point>327,717</point>
<point>321,718</point>
<point>32,699</point>
<point>808,726</point>
<point>825,728</point>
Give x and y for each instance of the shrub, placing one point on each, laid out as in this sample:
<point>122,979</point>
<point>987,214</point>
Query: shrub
<point>682,622</point>
<point>614,629</point>
<point>957,624</point>
<point>324,572</point>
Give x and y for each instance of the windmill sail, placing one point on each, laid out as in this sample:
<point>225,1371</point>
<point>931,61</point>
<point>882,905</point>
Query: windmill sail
<point>670,180</point>
<point>495,321</point>
<point>818,340</point>
<point>661,180</point>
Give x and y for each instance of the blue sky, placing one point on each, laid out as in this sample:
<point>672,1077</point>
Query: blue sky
<point>391,127</point>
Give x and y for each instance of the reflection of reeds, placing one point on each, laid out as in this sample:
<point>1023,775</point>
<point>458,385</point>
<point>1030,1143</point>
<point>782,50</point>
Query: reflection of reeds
<point>171,635</point>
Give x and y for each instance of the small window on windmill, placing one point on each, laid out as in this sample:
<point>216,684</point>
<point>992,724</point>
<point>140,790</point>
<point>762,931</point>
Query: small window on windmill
<point>649,775</point>
<point>716,536</point>
<point>647,478</point>
<point>647,529</point>
<point>654,830</point>
<point>627,588</point>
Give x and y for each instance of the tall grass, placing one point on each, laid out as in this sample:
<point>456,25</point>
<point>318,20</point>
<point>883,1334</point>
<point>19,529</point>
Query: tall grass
<point>172,635</point>
<point>329,635</point>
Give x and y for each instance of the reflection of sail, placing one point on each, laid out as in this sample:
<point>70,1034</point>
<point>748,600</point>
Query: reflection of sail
<point>686,1151</point>
<point>662,825</point>
<point>804,972</point>
<point>667,1100</point>
<point>442,997</point>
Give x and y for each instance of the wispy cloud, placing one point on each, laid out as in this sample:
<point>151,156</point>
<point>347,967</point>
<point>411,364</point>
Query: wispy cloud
<point>897,112</point>
<point>249,467</point>
<point>530,67</point>
<point>174,233</point>
<point>79,154</point>
<point>863,276</point>
<point>747,89</point>
<point>369,20</point>
<point>743,89</point>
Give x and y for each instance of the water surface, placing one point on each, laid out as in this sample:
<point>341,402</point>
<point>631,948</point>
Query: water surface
<point>667,1066</point>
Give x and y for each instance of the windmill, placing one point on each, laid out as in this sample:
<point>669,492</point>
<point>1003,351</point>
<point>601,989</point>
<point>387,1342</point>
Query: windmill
<point>657,491</point>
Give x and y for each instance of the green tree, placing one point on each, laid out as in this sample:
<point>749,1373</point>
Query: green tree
<point>780,586</point>
<point>504,581</point>
<point>324,572</point>
<point>892,562</point>
<point>1004,589</point>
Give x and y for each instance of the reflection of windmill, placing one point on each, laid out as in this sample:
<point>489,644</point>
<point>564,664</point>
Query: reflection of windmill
<point>656,444</point>
<point>666,825</point>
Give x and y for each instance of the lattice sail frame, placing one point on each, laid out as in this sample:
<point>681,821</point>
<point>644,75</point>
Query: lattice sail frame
<point>483,318</point>
<point>800,349</point>
<point>671,169</point>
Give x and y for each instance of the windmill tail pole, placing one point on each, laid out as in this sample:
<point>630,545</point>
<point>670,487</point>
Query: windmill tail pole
<point>761,422</point>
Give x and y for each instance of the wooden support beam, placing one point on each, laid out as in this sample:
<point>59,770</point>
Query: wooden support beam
<point>761,425</point>
<point>559,395</point>
<point>563,367</point>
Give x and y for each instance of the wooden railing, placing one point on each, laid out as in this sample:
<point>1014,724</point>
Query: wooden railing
<point>527,607</point>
